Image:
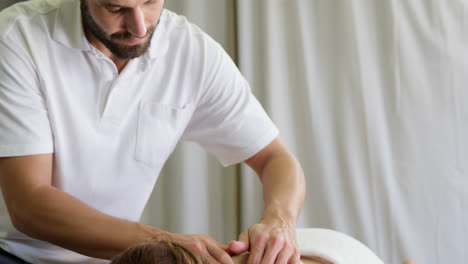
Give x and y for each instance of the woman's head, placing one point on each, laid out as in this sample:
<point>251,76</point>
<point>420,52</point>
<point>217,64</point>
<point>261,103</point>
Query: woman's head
<point>158,252</point>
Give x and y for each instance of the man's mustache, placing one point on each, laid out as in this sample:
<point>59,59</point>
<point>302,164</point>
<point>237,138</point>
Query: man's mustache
<point>128,36</point>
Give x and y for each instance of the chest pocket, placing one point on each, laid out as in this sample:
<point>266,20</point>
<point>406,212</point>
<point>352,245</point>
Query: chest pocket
<point>159,128</point>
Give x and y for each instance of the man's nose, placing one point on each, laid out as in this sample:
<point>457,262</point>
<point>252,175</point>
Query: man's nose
<point>136,23</point>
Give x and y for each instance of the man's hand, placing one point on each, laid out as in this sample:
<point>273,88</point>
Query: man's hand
<point>270,241</point>
<point>204,245</point>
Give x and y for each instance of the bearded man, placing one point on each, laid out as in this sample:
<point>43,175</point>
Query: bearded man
<point>94,96</point>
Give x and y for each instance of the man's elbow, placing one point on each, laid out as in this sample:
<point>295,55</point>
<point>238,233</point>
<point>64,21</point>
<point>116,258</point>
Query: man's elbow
<point>16,217</point>
<point>21,218</point>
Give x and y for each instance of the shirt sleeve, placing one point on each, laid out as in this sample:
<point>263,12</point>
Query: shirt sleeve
<point>228,120</point>
<point>24,122</point>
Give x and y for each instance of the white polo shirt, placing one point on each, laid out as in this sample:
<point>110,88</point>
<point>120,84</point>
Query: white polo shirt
<point>110,133</point>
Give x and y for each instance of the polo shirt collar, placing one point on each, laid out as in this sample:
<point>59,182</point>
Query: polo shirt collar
<point>159,43</point>
<point>68,30</point>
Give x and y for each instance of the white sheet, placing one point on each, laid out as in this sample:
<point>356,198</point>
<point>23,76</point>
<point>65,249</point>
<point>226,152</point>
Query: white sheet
<point>333,246</point>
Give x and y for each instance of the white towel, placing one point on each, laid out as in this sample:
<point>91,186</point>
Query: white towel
<point>334,246</point>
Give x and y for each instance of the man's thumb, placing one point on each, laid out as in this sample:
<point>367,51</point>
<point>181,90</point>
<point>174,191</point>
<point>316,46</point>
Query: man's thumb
<point>240,246</point>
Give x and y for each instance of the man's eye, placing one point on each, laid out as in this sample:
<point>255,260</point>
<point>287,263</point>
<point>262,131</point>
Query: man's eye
<point>114,9</point>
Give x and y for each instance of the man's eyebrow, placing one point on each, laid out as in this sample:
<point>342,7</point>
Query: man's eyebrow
<point>111,5</point>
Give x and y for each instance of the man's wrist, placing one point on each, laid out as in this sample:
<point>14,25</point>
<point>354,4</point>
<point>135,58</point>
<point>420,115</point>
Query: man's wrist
<point>279,215</point>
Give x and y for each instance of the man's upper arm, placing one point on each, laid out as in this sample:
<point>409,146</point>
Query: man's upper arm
<point>24,118</point>
<point>20,177</point>
<point>228,120</point>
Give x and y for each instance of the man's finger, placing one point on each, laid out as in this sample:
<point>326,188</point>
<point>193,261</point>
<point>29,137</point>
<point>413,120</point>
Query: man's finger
<point>296,256</point>
<point>257,249</point>
<point>221,246</point>
<point>272,249</point>
<point>284,255</point>
<point>219,254</point>
<point>244,237</point>
<point>236,248</point>
<point>210,258</point>
<point>240,246</point>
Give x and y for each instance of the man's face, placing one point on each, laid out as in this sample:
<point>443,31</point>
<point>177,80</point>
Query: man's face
<point>124,27</point>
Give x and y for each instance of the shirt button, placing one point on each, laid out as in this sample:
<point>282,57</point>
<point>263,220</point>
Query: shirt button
<point>142,66</point>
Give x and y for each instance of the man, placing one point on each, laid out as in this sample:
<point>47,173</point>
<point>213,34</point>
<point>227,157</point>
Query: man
<point>94,95</point>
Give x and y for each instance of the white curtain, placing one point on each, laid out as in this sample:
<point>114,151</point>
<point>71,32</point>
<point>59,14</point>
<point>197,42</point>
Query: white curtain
<point>371,96</point>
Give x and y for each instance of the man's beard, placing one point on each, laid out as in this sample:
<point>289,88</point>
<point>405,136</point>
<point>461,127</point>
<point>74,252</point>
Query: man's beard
<point>121,51</point>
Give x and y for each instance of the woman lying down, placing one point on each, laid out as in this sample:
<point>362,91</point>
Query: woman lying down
<point>317,246</point>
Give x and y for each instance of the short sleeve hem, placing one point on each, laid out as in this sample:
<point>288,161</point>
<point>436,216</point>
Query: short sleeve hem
<point>251,150</point>
<point>26,149</point>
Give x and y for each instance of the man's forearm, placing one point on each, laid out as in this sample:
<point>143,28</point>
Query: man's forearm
<point>56,217</point>
<point>273,239</point>
<point>283,188</point>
